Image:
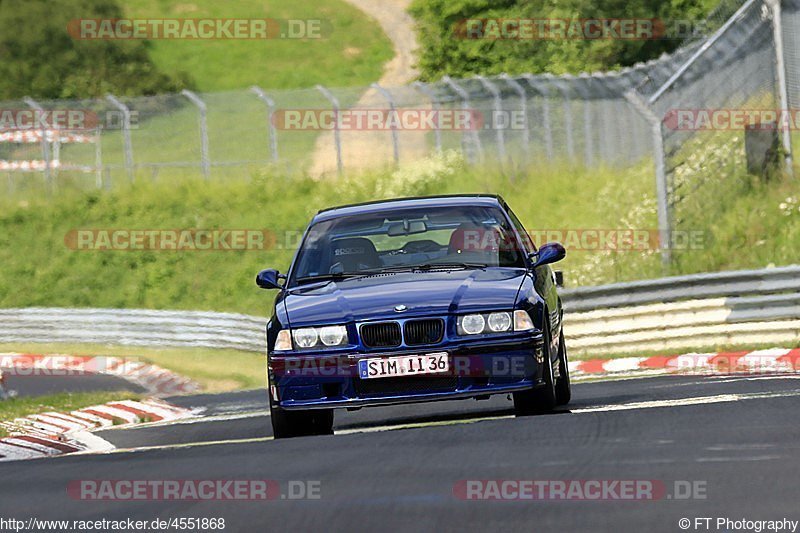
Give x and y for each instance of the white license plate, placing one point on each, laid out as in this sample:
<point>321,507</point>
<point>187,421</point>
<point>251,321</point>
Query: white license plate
<point>404,365</point>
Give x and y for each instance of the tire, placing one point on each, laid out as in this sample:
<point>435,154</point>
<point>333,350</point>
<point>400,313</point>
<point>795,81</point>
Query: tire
<point>541,399</point>
<point>288,424</point>
<point>563,387</point>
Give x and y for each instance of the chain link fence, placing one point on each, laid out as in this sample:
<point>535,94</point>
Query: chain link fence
<point>747,57</point>
<point>719,115</point>
<point>580,120</point>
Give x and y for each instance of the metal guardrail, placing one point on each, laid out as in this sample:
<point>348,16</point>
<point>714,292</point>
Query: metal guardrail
<point>734,283</point>
<point>696,311</point>
<point>133,327</point>
<point>703,310</point>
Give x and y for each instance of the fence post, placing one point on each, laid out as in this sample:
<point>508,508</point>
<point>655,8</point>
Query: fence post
<point>567,106</point>
<point>588,140</point>
<point>615,86</point>
<point>659,160</point>
<point>548,128</point>
<point>395,142</point>
<point>30,102</point>
<point>475,139</point>
<point>427,91</point>
<point>337,141</point>
<point>613,118</point>
<point>98,158</point>
<point>523,108</point>
<point>205,162</point>
<point>498,109</point>
<point>273,134</point>
<point>780,67</point>
<point>126,134</point>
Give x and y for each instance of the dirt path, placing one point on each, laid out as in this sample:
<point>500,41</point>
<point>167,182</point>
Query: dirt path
<point>398,25</point>
<point>366,149</point>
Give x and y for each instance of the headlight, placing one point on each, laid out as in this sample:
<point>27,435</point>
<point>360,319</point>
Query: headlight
<point>472,324</point>
<point>304,338</point>
<point>499,322</point>
<point>522,321</point>
<point>332,335</point>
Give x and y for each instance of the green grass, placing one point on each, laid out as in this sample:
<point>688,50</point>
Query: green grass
<point>62,402</point>
<point>352,52</point>
<point>213,370</point>
<point>744,225</point>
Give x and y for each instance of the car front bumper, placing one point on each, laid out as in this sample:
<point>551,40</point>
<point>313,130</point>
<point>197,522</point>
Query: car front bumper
<point>478,367</point>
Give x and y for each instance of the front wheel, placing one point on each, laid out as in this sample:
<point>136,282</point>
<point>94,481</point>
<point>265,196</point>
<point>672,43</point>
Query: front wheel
<point>287,424</point>
<point>563,387</point>
<point>542,399</point>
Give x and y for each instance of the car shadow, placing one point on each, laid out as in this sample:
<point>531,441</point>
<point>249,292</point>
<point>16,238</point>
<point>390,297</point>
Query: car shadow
<point>434,418</point>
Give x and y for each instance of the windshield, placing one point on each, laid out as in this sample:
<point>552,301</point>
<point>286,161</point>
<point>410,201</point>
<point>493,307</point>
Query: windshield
<point>407,239</point>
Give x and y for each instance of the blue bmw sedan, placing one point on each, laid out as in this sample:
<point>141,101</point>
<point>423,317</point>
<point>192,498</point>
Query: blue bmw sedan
<point>412,300</point>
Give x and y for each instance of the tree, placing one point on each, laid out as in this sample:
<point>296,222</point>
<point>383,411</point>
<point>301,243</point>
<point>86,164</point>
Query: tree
<point>445,50</point>
<point>39,58</point>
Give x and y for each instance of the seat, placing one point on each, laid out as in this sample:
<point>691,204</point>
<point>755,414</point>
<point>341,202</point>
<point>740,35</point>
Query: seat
<point>472,238</point>
<point>354,254</point>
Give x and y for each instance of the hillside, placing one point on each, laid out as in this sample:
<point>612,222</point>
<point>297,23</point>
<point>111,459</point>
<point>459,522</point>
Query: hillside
<point>749,225</point>
<point>352,51</point>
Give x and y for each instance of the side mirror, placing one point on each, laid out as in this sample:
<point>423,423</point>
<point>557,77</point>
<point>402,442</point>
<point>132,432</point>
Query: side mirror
<point>269,279</point>
<point>551,252</point>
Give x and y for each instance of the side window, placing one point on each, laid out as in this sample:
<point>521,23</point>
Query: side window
<point>526,238</point>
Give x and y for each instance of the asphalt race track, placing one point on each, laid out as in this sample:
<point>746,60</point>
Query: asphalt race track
<point>29,383</point>
<point>396,467</point>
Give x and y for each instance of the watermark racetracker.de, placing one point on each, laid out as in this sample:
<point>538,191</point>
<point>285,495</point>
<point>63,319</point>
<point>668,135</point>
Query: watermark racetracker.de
<point>581,29</point>
<point>732,119</point>
<point>405,119</point>
<point>21,121</point>
<point>198,28</point>
<point>27,365</point>
<point>573,239</point>
<point>137,490</point>
<point>182,239</point>
<point>608,490</point>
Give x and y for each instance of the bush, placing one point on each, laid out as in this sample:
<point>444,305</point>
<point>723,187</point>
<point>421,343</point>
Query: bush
<point>442,52</point>
<point>39,58</point>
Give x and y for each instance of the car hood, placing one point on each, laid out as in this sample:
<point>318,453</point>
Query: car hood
<point>426,293</point>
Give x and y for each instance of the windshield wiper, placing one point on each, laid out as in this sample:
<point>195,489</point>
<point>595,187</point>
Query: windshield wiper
<point>451,265</point>
<point>330,277</point>
<point>424,267</point>
<point>389,270</point>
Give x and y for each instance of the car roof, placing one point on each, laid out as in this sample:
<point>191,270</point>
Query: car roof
<point>402,203</point>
